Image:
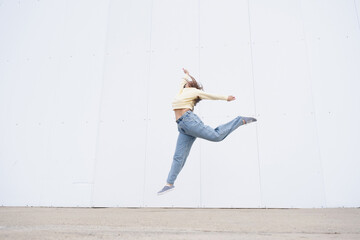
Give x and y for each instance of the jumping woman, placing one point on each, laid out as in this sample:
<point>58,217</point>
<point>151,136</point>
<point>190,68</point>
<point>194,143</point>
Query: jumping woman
<point>191,127</point>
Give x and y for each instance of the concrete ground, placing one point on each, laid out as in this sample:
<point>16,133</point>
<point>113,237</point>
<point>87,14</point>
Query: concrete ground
<point>158,223</point>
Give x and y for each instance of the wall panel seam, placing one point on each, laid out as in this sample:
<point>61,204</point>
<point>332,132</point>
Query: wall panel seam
<point>313,103</point>
<point>357,14</point>
<point>254,99</point>
<point>100,105</point>
<point>199,52</point>
<point>147,102</point>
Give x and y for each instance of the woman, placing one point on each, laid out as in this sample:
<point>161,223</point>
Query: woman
<point>191,127</point>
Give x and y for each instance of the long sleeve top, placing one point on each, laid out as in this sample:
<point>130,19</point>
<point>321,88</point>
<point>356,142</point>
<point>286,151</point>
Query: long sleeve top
<point>186,96</point>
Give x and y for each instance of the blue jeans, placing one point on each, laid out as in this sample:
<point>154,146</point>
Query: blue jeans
<point>191,127</point>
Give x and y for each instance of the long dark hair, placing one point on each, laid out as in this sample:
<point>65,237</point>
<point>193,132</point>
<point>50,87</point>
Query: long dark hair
<point>195,84</point>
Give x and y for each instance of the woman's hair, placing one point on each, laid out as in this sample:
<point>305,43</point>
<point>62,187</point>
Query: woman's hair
<point>195,84</point>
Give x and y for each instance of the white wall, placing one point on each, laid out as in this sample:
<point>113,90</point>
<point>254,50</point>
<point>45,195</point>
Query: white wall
<point>86,90</point>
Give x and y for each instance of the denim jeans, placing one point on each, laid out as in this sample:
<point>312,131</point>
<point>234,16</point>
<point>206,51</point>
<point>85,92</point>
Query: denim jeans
<point>191,127</point>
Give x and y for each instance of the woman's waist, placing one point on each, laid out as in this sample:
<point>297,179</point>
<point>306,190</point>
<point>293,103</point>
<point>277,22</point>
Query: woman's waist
<point>180,113</point>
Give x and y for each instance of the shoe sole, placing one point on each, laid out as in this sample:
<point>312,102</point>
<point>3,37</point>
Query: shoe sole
<point>162,193</point>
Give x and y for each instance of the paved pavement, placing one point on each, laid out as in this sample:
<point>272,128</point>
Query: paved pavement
<point>159,223</point>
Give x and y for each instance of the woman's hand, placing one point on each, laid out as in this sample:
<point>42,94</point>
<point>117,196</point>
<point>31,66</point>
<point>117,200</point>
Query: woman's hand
<point>186,71</point>
<point>230,98</point>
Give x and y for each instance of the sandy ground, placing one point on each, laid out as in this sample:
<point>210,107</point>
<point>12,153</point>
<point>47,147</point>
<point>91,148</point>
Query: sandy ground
<point>159,223</point>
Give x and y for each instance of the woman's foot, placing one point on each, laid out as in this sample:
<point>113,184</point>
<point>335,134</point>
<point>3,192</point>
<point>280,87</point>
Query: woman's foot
<point>248,120</point>
<point>166,189</point>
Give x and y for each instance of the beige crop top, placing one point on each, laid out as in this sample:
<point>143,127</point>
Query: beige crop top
<point>186,96</point>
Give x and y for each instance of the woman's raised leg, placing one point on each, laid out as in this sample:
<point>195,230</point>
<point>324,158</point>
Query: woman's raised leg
<point>221,132</point>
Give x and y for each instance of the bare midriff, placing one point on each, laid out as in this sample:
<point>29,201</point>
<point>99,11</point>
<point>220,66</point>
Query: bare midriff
<point>180,112</point>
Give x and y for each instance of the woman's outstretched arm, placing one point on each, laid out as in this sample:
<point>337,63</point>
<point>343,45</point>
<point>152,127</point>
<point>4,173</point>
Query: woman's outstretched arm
<point>204,95</point>
<point>210,96</point>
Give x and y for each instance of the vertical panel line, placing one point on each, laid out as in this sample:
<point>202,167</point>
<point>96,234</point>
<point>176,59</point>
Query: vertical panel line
<point>357,14</point>
<point>199,51</point>
<point>313,105</point>
<point>147,104</point>
<point>99,110</point>
<point>253,80</point>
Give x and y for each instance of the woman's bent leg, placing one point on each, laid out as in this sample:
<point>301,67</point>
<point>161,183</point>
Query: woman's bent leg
<point>183,146</point>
